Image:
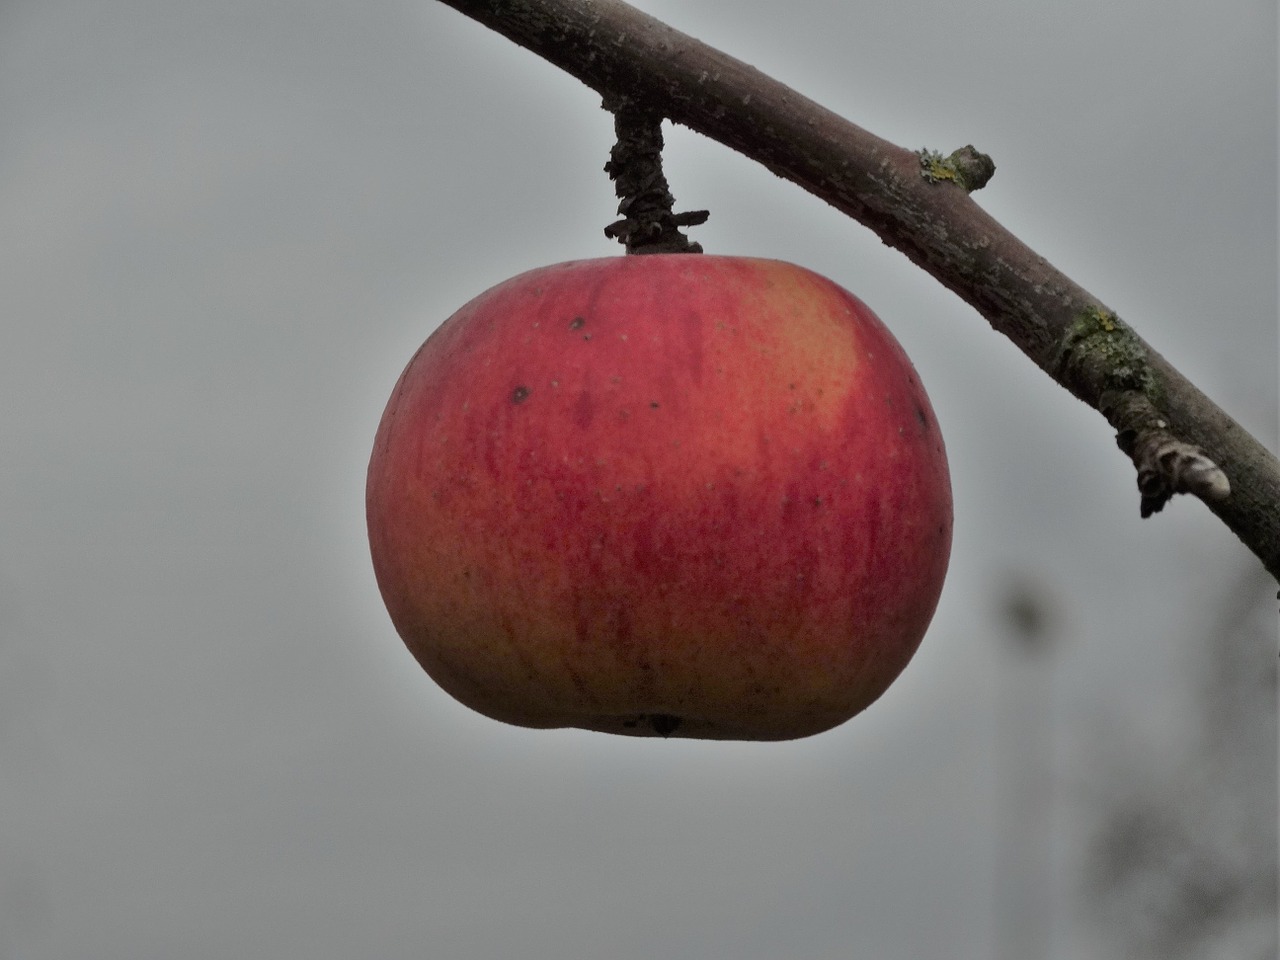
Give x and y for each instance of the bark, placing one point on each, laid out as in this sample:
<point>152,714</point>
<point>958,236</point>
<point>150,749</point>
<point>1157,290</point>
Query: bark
<point>919,203</point>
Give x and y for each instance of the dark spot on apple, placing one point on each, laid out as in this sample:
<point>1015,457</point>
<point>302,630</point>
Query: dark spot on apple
<point>653,404</point>
<point>577,323</point>
<point>920,415</point>
<point>664,724</point>
<point>519,394</point>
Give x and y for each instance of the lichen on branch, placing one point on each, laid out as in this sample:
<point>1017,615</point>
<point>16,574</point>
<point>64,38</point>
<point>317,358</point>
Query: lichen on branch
<point>1099,353</point>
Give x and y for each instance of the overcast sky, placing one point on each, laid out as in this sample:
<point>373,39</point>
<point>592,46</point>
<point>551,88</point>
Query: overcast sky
<point>224,229</point>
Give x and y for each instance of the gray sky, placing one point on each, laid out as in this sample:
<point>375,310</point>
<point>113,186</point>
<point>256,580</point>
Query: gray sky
<point>224,228</point>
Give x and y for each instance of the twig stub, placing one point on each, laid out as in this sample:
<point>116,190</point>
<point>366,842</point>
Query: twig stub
<point>1166,465</point>
<point>966,167</point>
<point>1101,349</point>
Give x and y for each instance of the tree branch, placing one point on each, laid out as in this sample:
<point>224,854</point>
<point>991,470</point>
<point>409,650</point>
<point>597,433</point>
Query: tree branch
<point>1179,440</point>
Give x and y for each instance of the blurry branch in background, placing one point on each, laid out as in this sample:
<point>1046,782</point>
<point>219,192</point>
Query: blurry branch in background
<point>1026,762</point>
<point>1184,864</point>
<point>918,202</point>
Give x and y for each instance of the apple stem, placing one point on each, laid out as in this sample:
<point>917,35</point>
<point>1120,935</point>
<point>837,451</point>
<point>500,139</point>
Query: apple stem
<point>644,199</point>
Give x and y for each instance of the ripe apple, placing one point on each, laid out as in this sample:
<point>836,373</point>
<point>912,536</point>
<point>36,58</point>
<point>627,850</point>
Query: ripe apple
<point>664,495</point>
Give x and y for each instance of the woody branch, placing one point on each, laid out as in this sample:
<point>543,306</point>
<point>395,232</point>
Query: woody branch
<point>919,203</point>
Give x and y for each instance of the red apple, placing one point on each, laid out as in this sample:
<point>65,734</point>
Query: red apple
<point>665,494</point>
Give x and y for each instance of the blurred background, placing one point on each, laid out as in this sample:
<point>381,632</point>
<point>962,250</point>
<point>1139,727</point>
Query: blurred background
<point>224,229</point>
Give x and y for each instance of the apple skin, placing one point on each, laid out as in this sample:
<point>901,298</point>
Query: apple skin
<point>675,495</point>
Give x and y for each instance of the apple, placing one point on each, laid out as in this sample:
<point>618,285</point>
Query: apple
<point>671,494</point>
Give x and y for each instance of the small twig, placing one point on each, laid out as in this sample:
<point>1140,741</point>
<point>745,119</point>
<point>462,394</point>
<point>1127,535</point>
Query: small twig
<point>645,201</point>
